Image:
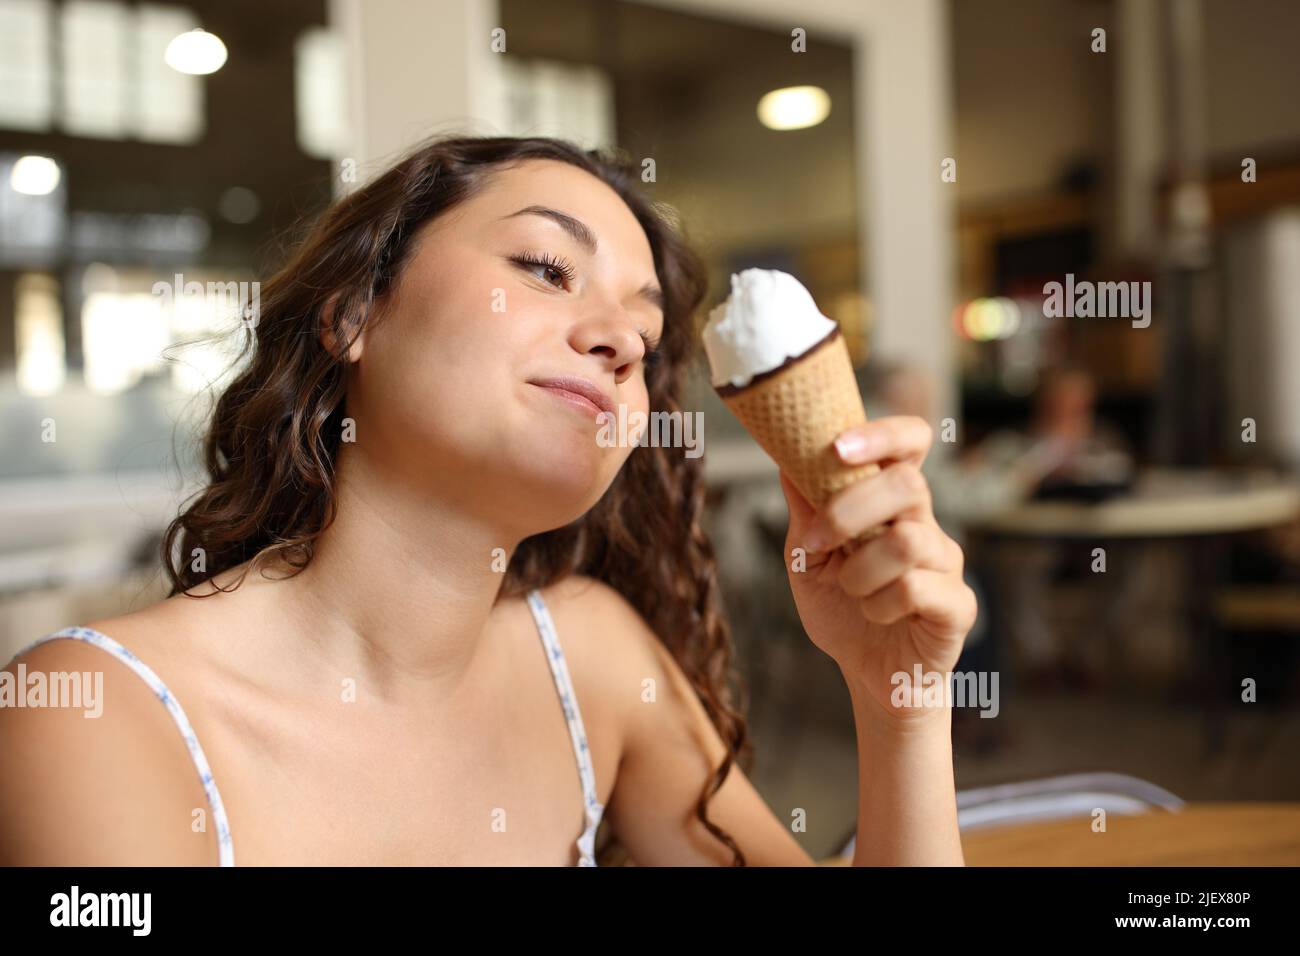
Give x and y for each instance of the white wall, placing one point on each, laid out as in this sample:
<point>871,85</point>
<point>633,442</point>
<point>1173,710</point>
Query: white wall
<point>903,121</point>
<point>416,68</point>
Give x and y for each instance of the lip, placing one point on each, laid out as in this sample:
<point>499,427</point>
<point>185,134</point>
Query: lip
<point>579,392</point>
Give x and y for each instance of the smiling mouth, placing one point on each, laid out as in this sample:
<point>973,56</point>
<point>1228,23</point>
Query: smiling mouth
<point>573,399</point>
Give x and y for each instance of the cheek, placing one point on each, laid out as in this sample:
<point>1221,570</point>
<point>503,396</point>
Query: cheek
<point>444,380</point>
<point>439,373</point>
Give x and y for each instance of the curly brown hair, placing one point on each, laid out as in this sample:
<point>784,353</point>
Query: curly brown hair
<point>271,446</point>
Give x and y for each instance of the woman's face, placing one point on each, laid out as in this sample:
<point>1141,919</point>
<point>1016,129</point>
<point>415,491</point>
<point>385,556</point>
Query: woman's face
<point>446,388</point>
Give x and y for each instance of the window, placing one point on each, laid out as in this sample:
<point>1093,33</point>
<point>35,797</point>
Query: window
<point>42,363</point>
<point>168,104</point>
<point>135,323</point>
<point>319,93</point>
<point>32,228</point>
<point>544,98</point>
<point>94,39</point>
<point>110,77</point>
<point>25,87</point>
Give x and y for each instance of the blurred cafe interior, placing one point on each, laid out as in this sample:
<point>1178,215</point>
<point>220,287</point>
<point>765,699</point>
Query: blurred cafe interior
<point>1123,470</point>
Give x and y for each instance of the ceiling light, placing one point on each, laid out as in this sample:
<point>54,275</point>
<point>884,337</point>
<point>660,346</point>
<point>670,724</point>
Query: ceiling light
<point>196,51</point>
<point>794,107</point>
<point>35,175</point>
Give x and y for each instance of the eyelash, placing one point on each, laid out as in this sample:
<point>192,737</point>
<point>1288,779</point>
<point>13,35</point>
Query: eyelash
<point>560,265</point>
<point>652,355</point>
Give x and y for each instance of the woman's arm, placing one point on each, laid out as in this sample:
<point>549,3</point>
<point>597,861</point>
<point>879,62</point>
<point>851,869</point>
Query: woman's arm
<point>907,808</point>
<point>892,613</point>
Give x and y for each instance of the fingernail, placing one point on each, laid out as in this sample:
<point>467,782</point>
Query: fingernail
<point>816,540</point>
<point>853,446</point>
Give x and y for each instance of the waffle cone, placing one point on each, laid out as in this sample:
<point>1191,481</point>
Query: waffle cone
<point>795,414</point>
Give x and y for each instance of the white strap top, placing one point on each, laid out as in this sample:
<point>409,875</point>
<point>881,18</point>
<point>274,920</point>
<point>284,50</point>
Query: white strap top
<point>569,701</point>
<point>226,848</point>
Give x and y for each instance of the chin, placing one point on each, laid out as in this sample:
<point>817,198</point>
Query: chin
<point>561,479</point>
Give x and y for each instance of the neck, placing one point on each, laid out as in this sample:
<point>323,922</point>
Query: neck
<point>400,586</point>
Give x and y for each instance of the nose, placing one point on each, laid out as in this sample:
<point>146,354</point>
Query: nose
<point>611,333</point>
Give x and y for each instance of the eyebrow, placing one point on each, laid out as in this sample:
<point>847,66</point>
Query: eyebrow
<point>584,237</point>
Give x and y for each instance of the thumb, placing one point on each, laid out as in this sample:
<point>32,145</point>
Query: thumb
<point>801,511</point>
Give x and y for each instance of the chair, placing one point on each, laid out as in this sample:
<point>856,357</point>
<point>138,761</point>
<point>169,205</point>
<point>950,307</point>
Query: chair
<point>1052,798</point>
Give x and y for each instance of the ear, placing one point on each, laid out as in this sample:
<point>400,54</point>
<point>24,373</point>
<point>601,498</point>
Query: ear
<point>330,341</point>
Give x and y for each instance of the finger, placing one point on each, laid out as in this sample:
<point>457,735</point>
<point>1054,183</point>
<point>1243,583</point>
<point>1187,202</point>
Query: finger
<point>941,599</point>
<point>802,514</point>
<point>897,491</point>
<point>904,545</point>
<point>897,437</point>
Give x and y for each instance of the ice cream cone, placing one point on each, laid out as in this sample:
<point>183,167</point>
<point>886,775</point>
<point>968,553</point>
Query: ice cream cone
<point>783,369</point>
<point>796,411</point>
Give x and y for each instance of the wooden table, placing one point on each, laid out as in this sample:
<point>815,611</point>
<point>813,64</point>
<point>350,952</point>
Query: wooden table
<point>1200,834</point>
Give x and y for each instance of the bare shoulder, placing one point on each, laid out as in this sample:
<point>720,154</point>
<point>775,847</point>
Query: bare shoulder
<point>608,641</point>
<point>669,747</point>
<point>634,662</point>
<point>603,613</point>
<point>93,769</point>
<point>636,665</point>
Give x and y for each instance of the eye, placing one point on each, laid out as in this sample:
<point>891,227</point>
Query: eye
<point>547,262</point>
<point>653,356</point>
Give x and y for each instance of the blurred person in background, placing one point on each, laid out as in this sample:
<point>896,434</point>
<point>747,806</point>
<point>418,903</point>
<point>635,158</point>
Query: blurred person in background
<point>1067,452</point>
<point>1065,447</point>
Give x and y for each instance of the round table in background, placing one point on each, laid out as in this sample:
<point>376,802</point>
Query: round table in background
<point>1164,503</point>
<point>1201,507</point>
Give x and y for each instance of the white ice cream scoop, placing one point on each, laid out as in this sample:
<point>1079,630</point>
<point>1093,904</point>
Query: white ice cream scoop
<point>768,319</point>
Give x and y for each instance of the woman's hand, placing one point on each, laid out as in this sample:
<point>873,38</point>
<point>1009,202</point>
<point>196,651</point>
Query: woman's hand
<point>898,600</point>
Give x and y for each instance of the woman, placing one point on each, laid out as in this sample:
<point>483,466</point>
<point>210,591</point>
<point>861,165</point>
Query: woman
<point>407,505</point>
